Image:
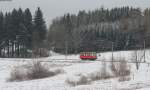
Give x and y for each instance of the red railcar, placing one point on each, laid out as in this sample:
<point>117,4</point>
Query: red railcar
<point>88,55</point>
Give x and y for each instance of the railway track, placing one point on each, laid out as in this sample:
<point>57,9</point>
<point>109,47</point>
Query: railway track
<point>69,60</point>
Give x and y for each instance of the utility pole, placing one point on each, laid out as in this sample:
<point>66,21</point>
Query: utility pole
<point>66,52</point>
<point>112,49</point>
<point>144,51</point>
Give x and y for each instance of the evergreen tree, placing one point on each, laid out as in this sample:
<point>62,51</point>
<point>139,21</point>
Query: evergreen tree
<point>8,26</point>
<point>39,33</point>
<point>29,26</point>
<point>14,21</point>
<point>39,26</point>
<point>1,29</point>
<point>1,25</point>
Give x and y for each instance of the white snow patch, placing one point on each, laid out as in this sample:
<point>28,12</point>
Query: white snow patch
<point>140,79</point>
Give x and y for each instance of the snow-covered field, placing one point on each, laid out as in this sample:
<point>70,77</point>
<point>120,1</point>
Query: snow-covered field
<point>139,79</point>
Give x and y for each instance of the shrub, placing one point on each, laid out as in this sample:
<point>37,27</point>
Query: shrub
<point>37,70</point>
<point>81,79</point>
<point>98,75</point>
<point>78,80</point>
<point>120,68</point>
<point>18,74</point>
<point>124,78</point>
<point>95,76</point>
<point>33,71</point>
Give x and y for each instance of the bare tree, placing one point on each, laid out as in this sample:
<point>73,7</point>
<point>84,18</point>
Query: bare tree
<point>137,57</point>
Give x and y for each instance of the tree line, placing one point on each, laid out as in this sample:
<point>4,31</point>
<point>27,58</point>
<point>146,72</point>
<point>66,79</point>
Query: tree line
<point>24,35</point>
<point>125,28</point>
<point>21,33</point>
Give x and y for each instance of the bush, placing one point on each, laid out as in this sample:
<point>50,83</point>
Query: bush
<point>78,80</point>
<point>120,68</point>
<point>37,70</point>
<point>124,78</point>
<point>98,75</point>
<point>33,71</point>
<point>18,74</point>
<point>95,76</point>
<point>81,79</point>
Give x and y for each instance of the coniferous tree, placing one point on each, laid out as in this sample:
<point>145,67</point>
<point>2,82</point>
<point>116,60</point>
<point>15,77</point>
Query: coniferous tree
<point>14,21</point>
<point>1,25</point>
<point>68,32</point>
<point>100,25</point>
<point>39,33</point>
<point>1,29</point>
<point>29,27</point>
<point>16,29</point>
<point>39,25</point>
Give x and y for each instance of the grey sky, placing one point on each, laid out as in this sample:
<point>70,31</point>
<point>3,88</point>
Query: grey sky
<point>54,8</point>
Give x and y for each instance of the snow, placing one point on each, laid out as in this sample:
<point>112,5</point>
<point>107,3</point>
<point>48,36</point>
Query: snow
<point>139,79</point>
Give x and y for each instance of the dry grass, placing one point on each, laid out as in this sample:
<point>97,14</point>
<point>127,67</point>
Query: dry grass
<point>80,80</point>
<point>99,75</point>
<point>33,71</point>
<point>18,74</point>
<point>86,78</point>
<point>38,71</point>
<point>121,69</point>
<point>124,78</point>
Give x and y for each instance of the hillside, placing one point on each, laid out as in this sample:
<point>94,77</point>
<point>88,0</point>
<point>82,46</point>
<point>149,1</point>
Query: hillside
<point>138,79</point>
<point>124,28</point>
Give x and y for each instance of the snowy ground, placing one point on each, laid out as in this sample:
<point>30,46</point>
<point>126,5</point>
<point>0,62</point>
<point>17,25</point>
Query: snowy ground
<point>139,80</point>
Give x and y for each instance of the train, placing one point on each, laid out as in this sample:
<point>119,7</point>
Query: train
<point>88,55</point>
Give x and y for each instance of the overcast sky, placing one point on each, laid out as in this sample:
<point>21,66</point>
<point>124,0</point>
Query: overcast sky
<point>55,8</point>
